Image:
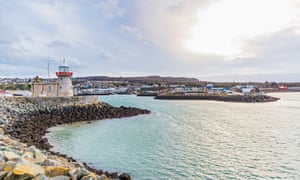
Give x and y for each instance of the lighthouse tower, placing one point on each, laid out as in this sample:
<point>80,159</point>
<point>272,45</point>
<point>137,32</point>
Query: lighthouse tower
<point>64,79</point>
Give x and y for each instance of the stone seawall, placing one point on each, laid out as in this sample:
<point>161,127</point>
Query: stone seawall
<point>62,101</point>
<point>26,120</point>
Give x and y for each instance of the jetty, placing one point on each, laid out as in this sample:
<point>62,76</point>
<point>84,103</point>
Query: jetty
<point>25,152</point>
<point>227,98</point>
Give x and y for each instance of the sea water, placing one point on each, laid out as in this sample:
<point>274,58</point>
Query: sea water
<point>191,139</point>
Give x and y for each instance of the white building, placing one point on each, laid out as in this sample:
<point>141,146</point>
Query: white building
<point>61,88</point>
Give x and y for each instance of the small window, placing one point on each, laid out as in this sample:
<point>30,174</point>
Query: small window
<point>49,88</point>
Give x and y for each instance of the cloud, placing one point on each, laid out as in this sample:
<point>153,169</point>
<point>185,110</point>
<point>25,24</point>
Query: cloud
<point>179,26</point>
<point>283,42</point>
<point>132,37</point>
<point>224,27</point>
<point>104,56</point>
<point>58,44</point>
<point>127,52</point>
<point>7,37</point>
<point>167,22</point>
<point>59,19</point>
<point>134,31</point>
<point>110,9</point>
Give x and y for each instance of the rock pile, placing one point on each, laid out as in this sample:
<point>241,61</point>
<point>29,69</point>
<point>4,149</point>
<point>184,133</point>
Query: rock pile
<point>18,162</point>
<point>23,124</point>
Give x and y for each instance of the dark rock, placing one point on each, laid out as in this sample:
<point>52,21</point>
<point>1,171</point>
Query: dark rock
<point>124,176</point>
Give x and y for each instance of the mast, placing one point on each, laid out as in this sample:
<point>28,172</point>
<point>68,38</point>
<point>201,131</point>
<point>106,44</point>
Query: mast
<point>48,67</point>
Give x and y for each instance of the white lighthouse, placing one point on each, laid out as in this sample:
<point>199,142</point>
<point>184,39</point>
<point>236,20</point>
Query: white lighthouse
<point>64,80</point>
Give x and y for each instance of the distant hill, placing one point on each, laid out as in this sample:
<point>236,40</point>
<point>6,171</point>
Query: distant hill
<point>180,80</point>
<point>143,79</point>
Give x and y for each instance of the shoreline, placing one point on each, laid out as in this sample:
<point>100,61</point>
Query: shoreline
<point>31,124</point>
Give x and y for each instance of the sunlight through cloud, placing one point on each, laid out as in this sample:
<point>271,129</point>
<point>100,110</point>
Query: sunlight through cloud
<point>224,27</point>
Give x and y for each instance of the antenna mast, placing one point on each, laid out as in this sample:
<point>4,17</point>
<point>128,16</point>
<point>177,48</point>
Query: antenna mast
<point>48,67</point>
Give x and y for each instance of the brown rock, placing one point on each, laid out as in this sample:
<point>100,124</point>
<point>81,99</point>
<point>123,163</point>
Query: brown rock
<point>27,168</point>
<point>52,171</point>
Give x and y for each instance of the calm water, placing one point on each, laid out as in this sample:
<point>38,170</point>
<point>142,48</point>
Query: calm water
<point>191,139</point>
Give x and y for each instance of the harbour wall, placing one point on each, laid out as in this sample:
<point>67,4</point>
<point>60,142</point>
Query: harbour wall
<point>63,101</point>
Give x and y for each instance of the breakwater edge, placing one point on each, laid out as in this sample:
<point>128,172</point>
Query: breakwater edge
<point>225,98</point>
<point>25,152</point>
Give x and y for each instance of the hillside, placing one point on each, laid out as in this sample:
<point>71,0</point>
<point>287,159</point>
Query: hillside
<point>142,79</point>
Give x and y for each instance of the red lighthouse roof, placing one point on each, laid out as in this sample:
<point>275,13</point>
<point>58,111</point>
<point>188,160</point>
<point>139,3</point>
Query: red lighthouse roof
<point>64,74</point>
<point>63,71</point>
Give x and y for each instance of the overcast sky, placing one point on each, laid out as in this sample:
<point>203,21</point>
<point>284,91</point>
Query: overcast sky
<point>221,40</point>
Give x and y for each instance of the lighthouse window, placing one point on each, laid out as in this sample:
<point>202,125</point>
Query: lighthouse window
<point>59,87</point>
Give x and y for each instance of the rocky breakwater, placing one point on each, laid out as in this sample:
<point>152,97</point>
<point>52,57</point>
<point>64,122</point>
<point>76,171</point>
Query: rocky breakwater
<point>226,98</point>
<point>25,153</point>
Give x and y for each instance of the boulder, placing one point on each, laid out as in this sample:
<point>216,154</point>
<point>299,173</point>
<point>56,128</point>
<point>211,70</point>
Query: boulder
<point>6,140</point>
<point>124,176</point>
<point>7,166</point>
<point>27,169</point>
<point>2,174</point>
<point>102,177</point>
<point>77,173</point>
<point>74,173</point>
<point>2,144</point>
<point>77,164</point>
<point>27,155</point>
<point>15,144</point>
<point>39,157</point>
<point>3,121</point>
<point>50,162</point>
<point>10,156</point>
<point>90,176</point>
<point>52,171</point>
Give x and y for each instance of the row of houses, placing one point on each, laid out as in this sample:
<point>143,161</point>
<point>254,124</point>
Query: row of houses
<point>211,89</point>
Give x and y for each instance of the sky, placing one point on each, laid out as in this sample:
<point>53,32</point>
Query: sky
<point>215,40</point>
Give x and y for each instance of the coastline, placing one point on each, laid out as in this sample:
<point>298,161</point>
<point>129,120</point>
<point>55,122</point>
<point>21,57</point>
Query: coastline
<point>25,121</point>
